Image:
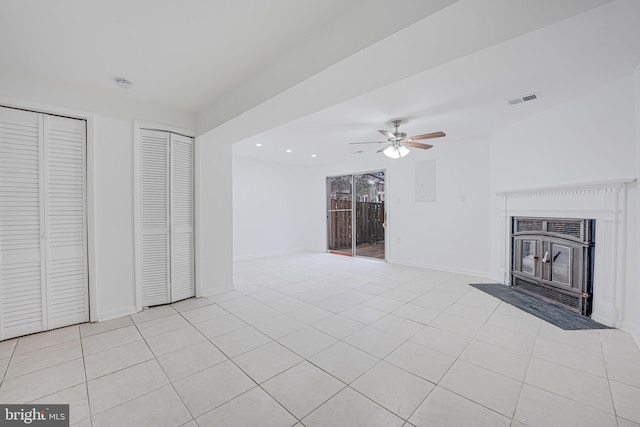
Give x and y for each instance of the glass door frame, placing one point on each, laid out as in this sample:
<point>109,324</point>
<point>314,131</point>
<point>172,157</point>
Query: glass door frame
<point>353,212</point>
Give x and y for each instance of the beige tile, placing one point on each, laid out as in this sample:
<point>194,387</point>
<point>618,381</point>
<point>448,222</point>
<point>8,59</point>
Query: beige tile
<point>626,423</point>
<point>442,341</point>
<point>398,326</point>
<point>220,326</point>
<point>191,303</point>
<point>580,386</point>
<point>153,313</point>
<point>267,361</point>
<point>627,401</point>
<point>43,358</point>
<point>318,387</point>
<point>417,313</point>
<point>208,312</point>
<point>113,338</point>
<point>338,326</point>
<point>189,360</point>
<point>570,356</point>
<point>515,324</point>
<point>336,304</point>
<point>161,407</point>
<point>374,341</point>
<point>240,341</point>
<point>484,387</point>
<point>343,361</point>
<point>426,363</point>
<point>83,423</point>
<point>309,314</point>
<point>539,408</point>
<point>3,366</point>
<point>278,326</point>
<point>7,347</point>
<point>393,388</point>
<point>75,397</point>
<point>237,304</point>
<point>285,304</point>
<point>468,312</point>
<point>457,325</point>
<point>510,340</point>
<point>162,325</point>
<point>387,305</point>
<point>121,386</point>
<point>212,387</point>
<point>349,408</point>
<point>253,408</point>
<point>46,339</point>
<point>88,329</point>
<point>174,340</point>
<point>622,360</point>
<point>256,314</point>
<point>117,358</point>
<point>42,383</point>
<point>364,314</point>
<point>307,341</point>
<point>502,361</point>
<point>444,408</point>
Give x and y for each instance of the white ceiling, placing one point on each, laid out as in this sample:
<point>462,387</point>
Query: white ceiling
<point>467,97</point>
<point>312,75</point>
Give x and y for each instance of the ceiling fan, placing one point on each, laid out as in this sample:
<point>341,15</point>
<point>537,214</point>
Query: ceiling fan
<point>397,142</point>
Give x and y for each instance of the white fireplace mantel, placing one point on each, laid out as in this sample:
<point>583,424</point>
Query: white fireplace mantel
<point>604,201</point>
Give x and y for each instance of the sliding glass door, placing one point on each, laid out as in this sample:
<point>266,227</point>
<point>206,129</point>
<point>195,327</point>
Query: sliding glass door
<point>356,214</point>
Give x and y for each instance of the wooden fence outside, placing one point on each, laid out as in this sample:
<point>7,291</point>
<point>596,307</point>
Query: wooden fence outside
<point>369,220</point>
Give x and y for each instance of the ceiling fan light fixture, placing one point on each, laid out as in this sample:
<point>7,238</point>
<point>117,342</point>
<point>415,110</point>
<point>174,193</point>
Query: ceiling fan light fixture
<point>396,152</point>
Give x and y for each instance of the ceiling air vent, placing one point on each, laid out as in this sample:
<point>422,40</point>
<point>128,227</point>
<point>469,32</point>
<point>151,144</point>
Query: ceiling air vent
<point>522,99</point>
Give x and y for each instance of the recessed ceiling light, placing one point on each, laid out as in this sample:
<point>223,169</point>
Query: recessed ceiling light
<point>258,145</point>
<point>313,155</point>
<point>124,83</point>
<point>288,150</point>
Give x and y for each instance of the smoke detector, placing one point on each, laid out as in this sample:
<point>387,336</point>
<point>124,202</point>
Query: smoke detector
<point>124,83</point>
<point>522,99</point>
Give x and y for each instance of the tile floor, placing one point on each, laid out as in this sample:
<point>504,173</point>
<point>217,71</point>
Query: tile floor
<point>324,340</point>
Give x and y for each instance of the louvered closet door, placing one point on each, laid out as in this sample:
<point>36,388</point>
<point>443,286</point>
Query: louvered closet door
<point>181,190</point>
<point>22,274</point>
<point>154,216</point>
<point>66,258</point>
<point>43,262</point>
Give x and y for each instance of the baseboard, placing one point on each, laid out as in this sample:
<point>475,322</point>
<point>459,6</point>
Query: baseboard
<point>267,254</point>
<point>441,268</point>
<point>113,314</point>
<point>632,330</point>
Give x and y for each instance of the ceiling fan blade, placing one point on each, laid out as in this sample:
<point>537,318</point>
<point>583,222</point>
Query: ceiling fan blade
<point>427,136</point>
<point>418,145</point>
<point>388,134</point>
<point>370,142</point>
<point>384,148</point>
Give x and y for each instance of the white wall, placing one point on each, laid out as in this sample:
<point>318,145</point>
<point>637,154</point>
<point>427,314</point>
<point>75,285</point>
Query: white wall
<point>214,216</point>
<point>632,323</point>
<point>269,207</point>
<point>450,233</point>
<point>590,138</point>
<point>110,164</point>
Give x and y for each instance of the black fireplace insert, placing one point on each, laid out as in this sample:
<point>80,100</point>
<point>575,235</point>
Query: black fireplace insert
<point>552,258</point>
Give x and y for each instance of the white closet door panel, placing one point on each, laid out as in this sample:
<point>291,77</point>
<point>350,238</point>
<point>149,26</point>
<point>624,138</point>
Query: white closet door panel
<point>67,275</point>
<point>22,297</point>
<point>154,216</point>
<point>182,247</point>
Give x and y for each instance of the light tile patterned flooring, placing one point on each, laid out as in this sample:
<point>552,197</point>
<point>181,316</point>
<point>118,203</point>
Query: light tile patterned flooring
<point>324,340</point>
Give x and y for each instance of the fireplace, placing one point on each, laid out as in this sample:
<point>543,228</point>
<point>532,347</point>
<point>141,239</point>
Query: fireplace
<point>552,258</point>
